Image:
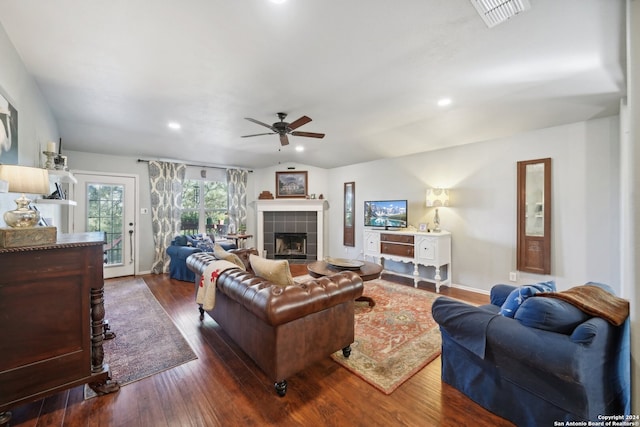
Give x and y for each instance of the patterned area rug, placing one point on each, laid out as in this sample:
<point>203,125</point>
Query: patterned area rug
<point>394,339</point>
<point>147,341</point>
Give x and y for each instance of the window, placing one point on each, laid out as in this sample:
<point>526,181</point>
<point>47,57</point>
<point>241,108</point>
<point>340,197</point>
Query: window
<point>204,207</point>
<point>105,213</point>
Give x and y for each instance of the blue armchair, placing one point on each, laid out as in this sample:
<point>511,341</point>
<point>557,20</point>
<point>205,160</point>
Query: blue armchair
<point>185,245</point>
<point>550,362</point>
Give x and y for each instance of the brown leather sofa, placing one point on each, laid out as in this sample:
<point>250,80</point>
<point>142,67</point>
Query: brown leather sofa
<point>283,330</point>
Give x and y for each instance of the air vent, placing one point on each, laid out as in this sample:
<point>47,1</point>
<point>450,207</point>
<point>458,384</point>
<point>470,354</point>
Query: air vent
<point>494,12</point>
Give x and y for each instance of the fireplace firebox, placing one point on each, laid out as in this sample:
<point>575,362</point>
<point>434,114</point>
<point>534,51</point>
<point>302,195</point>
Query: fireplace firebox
<point>290,245</point>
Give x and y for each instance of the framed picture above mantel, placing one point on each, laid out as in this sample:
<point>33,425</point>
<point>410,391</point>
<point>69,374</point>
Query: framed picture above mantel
<point>291,184</point>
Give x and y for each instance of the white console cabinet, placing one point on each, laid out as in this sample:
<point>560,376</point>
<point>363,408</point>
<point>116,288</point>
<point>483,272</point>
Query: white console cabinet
<point>427,249</point>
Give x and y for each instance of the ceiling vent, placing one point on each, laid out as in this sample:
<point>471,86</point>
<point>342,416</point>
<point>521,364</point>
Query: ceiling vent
<point>494,12</point>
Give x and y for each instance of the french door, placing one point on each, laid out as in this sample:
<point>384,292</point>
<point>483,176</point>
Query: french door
<point>107,203</point>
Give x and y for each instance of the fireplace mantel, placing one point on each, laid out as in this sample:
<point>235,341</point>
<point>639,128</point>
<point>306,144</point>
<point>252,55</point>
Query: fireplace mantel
<point>291,205</point>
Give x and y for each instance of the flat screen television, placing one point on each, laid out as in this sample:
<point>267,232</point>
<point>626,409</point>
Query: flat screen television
<point>385,213</point>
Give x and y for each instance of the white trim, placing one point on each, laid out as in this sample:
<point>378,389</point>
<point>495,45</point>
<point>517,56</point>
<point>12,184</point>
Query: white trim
<point>136,210</point>
<point>291,205</point>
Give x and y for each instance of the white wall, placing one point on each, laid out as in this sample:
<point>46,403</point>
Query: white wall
<point>482,216</point>
<point>36,124</point>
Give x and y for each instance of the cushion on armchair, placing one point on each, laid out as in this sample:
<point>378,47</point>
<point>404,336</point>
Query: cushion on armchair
<point>550,314</point>
<point>519,295</point>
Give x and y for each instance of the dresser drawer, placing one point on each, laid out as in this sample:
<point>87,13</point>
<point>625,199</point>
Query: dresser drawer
<point>396,249</point>
<point>397,238</point>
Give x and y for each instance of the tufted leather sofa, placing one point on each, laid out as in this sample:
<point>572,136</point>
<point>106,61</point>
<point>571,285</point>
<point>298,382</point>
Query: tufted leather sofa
<point>283,330</point>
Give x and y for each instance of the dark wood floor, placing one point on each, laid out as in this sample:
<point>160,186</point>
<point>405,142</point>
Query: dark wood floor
<point>224,388</point>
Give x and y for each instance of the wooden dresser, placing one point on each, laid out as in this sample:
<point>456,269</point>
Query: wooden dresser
<point>51,319</point>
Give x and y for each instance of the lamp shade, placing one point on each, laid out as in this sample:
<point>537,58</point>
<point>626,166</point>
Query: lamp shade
<point>24,179</point>
<point>437,197</point>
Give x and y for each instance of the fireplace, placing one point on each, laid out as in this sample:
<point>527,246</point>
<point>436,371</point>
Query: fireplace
<point>291,216</point>
<point>290,245</point>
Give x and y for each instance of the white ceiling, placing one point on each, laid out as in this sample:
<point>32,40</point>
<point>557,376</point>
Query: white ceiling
<point>368,72</point>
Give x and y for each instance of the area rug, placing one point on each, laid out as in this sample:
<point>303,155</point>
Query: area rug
<point>394,339</point>
<point>147,341</point>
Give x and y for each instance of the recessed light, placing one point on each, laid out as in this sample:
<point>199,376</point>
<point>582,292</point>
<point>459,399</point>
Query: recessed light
<point>174,125</point>
<point>443,102</point>
<point>299,148</point>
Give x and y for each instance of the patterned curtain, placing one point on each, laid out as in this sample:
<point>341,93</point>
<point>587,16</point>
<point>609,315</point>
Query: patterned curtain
<point>237,189</point>
<point>166,181</point>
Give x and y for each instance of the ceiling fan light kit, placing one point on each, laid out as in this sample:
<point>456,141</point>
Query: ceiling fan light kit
<point>283,128</point>
<point>494,12</point>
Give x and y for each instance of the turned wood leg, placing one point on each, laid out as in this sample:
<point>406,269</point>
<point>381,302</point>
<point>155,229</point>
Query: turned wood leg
<point>105,387</point>
<point>281,388</point>
<point>201,312</point>
<point>346,352</point>
<point>438,279</point>
<point>97,329</point>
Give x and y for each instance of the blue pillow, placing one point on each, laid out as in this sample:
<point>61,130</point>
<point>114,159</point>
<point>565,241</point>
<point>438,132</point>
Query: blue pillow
<point>518,295</point>
<point>180,241</point>
<point>550,314</point>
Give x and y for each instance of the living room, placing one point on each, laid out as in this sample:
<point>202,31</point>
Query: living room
<point>593,177</point>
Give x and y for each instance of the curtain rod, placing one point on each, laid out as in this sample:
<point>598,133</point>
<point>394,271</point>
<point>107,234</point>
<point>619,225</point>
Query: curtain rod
<point>197,166</point>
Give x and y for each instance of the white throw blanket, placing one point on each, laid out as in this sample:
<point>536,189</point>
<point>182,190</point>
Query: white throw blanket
<point>207,288</point>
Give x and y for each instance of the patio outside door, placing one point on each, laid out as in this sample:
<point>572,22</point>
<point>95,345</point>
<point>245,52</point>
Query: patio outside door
<point>106,203</point>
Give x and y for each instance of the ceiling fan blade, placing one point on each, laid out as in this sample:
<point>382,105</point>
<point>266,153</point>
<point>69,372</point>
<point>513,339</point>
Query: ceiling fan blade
<point>308,134</point>
<point>283,139</point>
<point>258,122</point>
<point>256,134</point>
<point>301,121</point>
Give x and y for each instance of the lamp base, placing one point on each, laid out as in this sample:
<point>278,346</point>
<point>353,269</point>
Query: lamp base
<point>30,236</point>
<point>436,222</point>
<point>22,217</point>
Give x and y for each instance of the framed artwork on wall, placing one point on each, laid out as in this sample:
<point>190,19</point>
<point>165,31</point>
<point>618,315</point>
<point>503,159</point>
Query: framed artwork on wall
<point>8,131</point>
<point>291,184</point>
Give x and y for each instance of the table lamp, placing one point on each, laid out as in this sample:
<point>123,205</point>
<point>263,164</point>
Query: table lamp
<point>25,180</point>
<point>437,197</point>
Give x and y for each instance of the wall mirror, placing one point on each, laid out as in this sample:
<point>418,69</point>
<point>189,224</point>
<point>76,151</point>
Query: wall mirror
<point>349,214</point>
<point>534,216</point>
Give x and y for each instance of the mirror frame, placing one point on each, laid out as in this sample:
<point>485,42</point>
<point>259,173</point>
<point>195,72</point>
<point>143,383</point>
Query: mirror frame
<point>534,252</point>
<point>348,232</point>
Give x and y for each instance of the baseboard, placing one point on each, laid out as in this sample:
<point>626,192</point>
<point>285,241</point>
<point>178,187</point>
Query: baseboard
<point>469,289</point>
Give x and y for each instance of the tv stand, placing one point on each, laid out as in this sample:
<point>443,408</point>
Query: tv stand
<point>426,249</point>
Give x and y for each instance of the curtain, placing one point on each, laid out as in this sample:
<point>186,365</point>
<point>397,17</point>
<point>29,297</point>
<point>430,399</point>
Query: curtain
<point>166,181</point>
<point>237,189</point>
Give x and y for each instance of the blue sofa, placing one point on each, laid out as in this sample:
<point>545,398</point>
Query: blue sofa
<point>549,362</point>
<point>184,245</point>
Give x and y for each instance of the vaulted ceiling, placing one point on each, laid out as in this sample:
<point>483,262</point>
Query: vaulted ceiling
<point>368,72</point>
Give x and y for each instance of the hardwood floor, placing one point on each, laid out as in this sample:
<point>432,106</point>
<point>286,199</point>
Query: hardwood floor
<point>224,388</point>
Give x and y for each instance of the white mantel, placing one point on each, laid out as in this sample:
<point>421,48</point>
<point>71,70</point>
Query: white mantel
<point>291,205</point>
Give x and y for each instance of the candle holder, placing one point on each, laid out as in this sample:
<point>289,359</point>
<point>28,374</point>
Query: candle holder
<point>50,163</point>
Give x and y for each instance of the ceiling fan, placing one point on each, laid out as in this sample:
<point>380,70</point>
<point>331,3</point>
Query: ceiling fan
<point>283,128</point>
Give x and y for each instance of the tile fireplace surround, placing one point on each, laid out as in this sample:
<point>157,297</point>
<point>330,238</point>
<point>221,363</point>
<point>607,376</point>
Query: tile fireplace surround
<point>291,206</point>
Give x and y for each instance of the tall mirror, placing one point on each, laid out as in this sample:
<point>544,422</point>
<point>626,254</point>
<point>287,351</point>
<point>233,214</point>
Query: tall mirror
<point>534,216</point>
<point>348,234</point>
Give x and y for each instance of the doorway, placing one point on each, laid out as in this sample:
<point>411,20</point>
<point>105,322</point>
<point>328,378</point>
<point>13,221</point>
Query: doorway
<point>107,204</point>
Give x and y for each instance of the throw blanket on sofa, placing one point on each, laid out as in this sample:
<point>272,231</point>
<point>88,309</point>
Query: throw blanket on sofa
<point>595,301</point>
<point>207,288</point>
